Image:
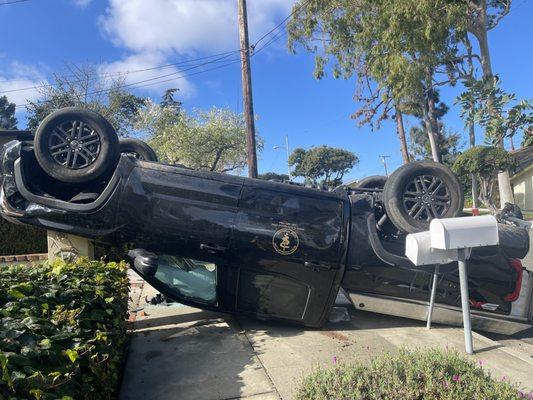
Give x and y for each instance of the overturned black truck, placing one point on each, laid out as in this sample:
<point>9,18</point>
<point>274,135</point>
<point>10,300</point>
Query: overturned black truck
<point>268,249</point>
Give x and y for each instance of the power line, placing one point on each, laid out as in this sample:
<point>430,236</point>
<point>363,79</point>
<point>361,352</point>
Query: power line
<point>126,72</point>
<point>137,85</point>
<point>176,64</point>
<point>173,73</point>
<point>156,80</point>
<point>122,73</point>
<point>296,9</point>
<point>13,2</point>
<point>187,75</point>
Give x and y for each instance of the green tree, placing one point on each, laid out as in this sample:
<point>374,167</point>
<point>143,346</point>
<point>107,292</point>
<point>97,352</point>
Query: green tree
<point>322,165</point>
<point>479,17</point>
<point>485,163</point>
<point>528,137</point>
<point>274,176</point>
<point>84,87</point>
<point>448,143</point>
<point>393,47</point>
<point>213,140</point>
<point>168,101</point>
<point>7,114</point>
<point>497,111</point>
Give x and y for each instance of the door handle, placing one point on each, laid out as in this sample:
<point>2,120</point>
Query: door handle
<point>315,266</point>
<point>212,249</point>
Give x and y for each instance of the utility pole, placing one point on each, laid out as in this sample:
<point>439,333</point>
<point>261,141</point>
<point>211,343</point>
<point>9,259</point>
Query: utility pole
<point>384,160</point>
<point>248,106</point>
<point>288,155</point>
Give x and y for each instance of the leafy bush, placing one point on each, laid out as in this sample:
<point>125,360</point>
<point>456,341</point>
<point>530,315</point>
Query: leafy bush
<point>485,163</point>
<point>63,330</point>
<point>21,239</point>
<point>429,374</point>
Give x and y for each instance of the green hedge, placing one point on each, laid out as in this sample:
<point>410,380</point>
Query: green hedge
<point>422,374</point>
<point>21,239</point>
<point>63,330</point>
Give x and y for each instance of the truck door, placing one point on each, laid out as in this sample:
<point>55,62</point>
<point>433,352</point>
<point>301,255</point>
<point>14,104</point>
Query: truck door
<point>177,224</point>
<point>190,213</point>
<point>288,251</point>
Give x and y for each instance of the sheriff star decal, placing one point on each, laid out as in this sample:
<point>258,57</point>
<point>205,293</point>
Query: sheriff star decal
<point>285,241</point>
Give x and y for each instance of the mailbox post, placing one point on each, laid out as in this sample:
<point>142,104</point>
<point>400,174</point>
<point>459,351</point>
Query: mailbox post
<point>418,249</point>
<point>451,240</point>
<point>465,300</point>
<point>432,296</point>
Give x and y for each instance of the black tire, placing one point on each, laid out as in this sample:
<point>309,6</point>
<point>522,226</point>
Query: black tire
<point>372,182</point>
<point>514,241</point>
<point>75,145</point>
<point>420,191</point>
<point>138,149</point>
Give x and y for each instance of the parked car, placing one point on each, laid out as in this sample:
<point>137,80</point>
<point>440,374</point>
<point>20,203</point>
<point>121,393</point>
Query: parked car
<point>238,245</point>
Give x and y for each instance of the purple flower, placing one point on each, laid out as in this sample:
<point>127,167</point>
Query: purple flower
<point>456,378</point>
<point>445,384</point>
<point>520,394</point>
<point>334,360</point>
<point>504,377</point>
<point>481,362</point>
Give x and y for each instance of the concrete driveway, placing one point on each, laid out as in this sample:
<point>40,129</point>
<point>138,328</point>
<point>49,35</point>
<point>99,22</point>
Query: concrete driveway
<point>179,352</point>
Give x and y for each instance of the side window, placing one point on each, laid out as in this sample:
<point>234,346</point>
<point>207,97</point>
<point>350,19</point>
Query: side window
<point>187,278</point>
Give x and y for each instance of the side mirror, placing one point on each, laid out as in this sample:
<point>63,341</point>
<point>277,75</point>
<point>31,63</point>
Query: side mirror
<point>144,261</point>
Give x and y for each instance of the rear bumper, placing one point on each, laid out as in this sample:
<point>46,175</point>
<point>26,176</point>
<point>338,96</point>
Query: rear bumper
<point>442,314</point>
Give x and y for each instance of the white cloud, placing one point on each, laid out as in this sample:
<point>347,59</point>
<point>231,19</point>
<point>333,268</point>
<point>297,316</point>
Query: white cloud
<point>128,68</point>
<point>18,82</point>
<point>186,26</point>
<point>154,31</point>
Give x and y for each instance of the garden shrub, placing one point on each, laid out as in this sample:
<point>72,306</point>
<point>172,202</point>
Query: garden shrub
<point>420,374</point>
<point>63,329</point>
<point>21,239</point>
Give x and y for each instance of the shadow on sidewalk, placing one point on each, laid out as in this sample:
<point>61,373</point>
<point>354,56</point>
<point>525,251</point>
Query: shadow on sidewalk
<point>191,355</point>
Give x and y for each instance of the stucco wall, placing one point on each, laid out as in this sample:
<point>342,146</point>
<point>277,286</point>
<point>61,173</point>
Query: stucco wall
<point>523,189</point>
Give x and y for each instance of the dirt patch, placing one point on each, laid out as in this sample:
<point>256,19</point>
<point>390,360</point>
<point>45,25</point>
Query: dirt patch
<point>335,335</point>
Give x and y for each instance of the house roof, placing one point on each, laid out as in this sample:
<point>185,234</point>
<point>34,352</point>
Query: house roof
<point>524,159</point>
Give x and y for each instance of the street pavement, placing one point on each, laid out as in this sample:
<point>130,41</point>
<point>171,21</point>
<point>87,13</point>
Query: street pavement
<point>180,352</point>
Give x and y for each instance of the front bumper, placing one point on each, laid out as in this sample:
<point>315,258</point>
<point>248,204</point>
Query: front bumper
<point>19,204</point>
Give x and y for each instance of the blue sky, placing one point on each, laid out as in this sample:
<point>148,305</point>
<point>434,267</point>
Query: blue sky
<point>42,36</point>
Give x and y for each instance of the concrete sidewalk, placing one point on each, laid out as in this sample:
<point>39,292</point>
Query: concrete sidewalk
<point>179,352</point>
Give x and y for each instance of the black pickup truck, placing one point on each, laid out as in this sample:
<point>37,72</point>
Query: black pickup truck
<point>248,246</point>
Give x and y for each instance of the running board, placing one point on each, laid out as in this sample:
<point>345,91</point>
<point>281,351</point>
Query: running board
<point>442,314</point>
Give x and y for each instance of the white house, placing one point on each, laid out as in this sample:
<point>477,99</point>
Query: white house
<point>522,179</point>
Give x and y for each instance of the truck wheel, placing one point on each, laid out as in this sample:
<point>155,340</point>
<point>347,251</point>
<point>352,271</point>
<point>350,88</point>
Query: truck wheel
<point>420,191</point>
<point>372,182</point>
<point>75,145</point>
<point>138,149</point>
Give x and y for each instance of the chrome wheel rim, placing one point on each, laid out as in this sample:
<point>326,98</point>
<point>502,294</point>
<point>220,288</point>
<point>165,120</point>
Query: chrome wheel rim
<point>426,197</point>
<point>74,144</point>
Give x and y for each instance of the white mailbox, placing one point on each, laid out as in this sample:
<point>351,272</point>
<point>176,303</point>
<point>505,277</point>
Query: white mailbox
<point>418,249</point>
<point>451,240</point>
<point>464,232</point>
